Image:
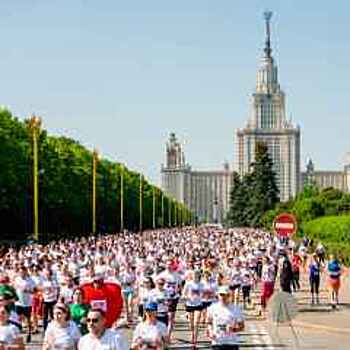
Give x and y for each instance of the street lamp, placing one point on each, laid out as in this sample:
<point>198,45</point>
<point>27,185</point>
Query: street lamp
<point>162,194</point>
<point>175,213</point>
<point>122,198</point>
<point>154,207</point>
<point>169,211</point>
<point>141,202</point>
<point>34,126</point>
<point>94,171</point>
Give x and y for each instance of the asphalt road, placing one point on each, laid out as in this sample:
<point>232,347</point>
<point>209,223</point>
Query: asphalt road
<point>321,327</point>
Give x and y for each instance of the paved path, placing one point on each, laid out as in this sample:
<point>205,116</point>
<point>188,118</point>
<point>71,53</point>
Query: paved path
<point>316,327</point>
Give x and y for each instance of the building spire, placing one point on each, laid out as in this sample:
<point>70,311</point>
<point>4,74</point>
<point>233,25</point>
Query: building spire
<point>267,50</point>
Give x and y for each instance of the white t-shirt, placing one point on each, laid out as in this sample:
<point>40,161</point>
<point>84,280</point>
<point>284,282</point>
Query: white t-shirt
<point>62,337</point>
<point>110,340</point>
<point>24,289</point>
<point>193,292</point>
<point>49,290</point>
<point>224,316</point>
<point>161,298</point>
<point>268,273</point>
<point>150,333</point>
<point>9,334</point>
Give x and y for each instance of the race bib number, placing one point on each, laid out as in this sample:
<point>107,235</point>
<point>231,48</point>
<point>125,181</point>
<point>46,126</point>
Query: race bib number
<point>99,304</point>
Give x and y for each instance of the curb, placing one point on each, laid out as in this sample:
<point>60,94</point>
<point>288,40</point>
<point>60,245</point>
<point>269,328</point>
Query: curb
<point>321,327</point>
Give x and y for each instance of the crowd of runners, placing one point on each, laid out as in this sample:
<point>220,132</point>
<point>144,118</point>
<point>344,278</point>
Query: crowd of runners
<point>79,293</point>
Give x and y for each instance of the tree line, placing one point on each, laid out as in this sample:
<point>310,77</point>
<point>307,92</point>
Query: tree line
<point>65,187</point>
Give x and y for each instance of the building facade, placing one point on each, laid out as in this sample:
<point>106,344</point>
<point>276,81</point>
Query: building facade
<point>205,193</point>
<point>268,123</point>
<point>327,178</point>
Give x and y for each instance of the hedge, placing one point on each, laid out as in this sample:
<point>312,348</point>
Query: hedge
<point>333,232</point>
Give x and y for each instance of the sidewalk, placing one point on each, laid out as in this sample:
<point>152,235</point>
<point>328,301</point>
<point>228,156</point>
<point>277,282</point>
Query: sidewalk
<point>322,316</point>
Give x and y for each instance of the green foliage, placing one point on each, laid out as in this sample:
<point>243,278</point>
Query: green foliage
<point>255,193</point>
<point>308,209</point>
<point>312,203</point>
<point>65,187</point>
<point>333,232</point>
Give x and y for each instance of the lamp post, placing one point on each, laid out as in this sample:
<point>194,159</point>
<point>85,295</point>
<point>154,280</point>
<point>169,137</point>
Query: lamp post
<point>154,208</point>
<point>175,213</point>
<point>141,202</point>
<point>169,212</point>
<point>162,208</point>
<point>35,125</point>
<point>122,199</point>
<point>94,170</point>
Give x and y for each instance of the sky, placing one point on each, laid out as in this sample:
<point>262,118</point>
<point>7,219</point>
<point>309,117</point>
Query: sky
<point>121,75</point>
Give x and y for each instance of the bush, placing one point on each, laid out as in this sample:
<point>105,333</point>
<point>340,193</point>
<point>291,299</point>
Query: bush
<point>333,232</point>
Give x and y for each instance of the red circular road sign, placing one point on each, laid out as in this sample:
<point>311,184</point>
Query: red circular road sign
<point>285,225</point>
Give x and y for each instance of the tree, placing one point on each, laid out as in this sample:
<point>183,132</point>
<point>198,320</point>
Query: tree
<point>65,184</point>
<point>264,194</point>
<point>235,216</point>
<point>255,193</point>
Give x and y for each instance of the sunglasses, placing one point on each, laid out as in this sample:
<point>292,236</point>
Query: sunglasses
<point>92,320</point>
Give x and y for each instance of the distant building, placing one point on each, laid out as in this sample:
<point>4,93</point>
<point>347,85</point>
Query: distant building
<point>268,123</point>
<point>206,193</point>
<point>326,178</point>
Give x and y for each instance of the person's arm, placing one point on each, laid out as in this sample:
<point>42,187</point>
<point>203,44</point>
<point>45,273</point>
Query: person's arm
<point>239,325</point>
<point>135,339</point>
<point>18,345</point>
<point>210,330</point>
<point>48,339</point>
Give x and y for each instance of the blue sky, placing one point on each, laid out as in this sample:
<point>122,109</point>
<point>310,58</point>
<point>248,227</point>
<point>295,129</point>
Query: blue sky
<point>121,75</point>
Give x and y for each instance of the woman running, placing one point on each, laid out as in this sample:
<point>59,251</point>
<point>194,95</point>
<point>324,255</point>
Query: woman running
<point>61,333</point>
<point>127,279</point>
<point>193,295</point>
<point>334,273</point>
<point>314,278</point>
<point>267,283</point>
<point>10,336</point>
<point>150,333</point>
<point>79,311</point>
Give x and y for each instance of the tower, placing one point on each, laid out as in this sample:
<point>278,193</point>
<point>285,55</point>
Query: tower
<point>176,173</point>
<point>309,177</point>
<point>268,123</point>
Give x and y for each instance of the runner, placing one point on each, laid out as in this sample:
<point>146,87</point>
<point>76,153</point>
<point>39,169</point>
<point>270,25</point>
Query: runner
<point>173,287</point>
<point>224,321</point>
<point>79,311</point>
<point>267,283</point>
<point>105,296</point>
<point>150,333</point>
<point>61,333</point>
<point>99,337</point>
<point>24,286</point>
<point>160,296</point>
<point>314,278</point>
<point>10,337</point>
<point>127,279</point>
<point>144,291</point>
<point>193,296</point>
<point>296,263</point>
<point>286,274</point>
<point>334,274</point>
<point>50,294</point>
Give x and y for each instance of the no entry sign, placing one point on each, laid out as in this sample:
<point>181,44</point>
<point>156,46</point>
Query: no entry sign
<point>285,225</point>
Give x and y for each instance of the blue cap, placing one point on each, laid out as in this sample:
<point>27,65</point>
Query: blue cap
<point>151,306</point>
